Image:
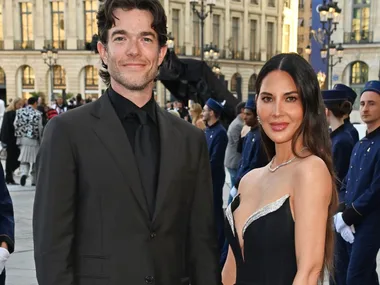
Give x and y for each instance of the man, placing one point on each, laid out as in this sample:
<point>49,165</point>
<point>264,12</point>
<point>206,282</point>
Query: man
<point>7,226</point>
<point>253,152</point>
<point>183,112</point>
<point>111,205</point>
<point>359,219</point>
<point>232,157</point>
<point>351,96</point>
<point>28,131</point>
<point>59,105</point>
<point>217,140</point>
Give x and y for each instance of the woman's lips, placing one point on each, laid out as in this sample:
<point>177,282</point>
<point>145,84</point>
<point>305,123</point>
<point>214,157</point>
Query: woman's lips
<point>278,127</point>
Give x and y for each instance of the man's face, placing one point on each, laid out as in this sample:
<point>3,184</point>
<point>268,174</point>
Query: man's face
<point>132,54</point>
<point>249,117</point>
<point>59,101</point>
<point>179,105</point>
<point>206,113</point>
<point>370,108</point>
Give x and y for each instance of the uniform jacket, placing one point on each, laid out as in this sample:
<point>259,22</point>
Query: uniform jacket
<point>7,223</point>
<point>349,127</point>
<point>253,155</point>
<point>217,140</point>
<point>91,221</point>
<point>362,183</point>
<point>342,145</point>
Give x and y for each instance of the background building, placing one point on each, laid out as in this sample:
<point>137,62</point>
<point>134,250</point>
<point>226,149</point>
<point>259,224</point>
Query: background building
<point>304,27</point>
<point>247,32</point>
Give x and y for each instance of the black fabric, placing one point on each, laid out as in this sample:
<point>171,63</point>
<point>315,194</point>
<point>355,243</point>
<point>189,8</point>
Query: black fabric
<point>141,127</point>
<point>11,162</point>
<point>351,217</point>
<point>268,256</point>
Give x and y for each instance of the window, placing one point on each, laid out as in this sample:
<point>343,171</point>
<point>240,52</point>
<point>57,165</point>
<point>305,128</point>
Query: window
<point>90,22</point>
<point>286,38</point>
<point>216,29</point>
<point>91,78</point>
<point>359,73</point>
<point>27,77</point>
<point>58,24</point>
<point>271,3</point>
<point>301,4</point>
<point>234,82</point>
<point>360,20</point>
<point>252,83</point>
<point>26,24</point>
<point>300,22</point>
<point>270,37</point>
<point>2,77</point>
<point>196,35</point>
<point>175,25</point>
<point>253,40</point>
<point>59,77</point>
<point>287,3</point>
<point>235,37</point>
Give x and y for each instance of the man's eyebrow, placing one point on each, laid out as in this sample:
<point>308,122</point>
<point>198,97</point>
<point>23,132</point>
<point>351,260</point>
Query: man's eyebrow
<point>144,34</point>
<point>124,32</point>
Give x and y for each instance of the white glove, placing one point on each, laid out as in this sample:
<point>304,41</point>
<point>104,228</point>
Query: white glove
<point>341,227</point>
<point>4,255</point>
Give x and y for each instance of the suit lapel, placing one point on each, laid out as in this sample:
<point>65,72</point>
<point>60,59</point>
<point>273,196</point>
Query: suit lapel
<point>110,131</point>
<point>169,146</point>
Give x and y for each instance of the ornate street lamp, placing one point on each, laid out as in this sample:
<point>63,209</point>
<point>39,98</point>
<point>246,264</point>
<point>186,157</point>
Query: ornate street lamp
<point>202,15</point>
<point>50,56</point>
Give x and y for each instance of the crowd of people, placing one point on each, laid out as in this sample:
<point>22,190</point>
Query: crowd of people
<point>130,193</point>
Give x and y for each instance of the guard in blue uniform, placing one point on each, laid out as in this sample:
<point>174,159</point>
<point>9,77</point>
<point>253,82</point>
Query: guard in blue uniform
<point>359,221</point>
<point>342,144</point>
<point>217,141</point>
<point>351,96</point>
<point>7,225</point>
<point>253,152</point>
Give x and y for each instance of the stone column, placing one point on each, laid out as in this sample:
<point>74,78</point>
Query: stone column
<point>8,24</point>
<point>246,29</point>
<point>71,24</point>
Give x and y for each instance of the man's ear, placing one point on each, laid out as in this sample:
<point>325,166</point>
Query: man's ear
<point>102,49</point>
<point>161,54</point>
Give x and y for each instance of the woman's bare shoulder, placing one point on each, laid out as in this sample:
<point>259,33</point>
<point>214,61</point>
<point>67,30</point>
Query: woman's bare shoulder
<point>251,178</point>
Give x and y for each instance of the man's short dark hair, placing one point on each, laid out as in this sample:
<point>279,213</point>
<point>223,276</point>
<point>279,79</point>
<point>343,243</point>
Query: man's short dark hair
<point>239,107</point>
<point>106,20</point>
<point>32,100</point>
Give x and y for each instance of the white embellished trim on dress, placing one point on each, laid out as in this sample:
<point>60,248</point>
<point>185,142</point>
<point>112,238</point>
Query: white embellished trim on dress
<point>230,216</point>
<point>270,208</point>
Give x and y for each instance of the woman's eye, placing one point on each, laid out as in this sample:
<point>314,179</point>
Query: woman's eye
<point>267,99</point>
<point>291,99</point>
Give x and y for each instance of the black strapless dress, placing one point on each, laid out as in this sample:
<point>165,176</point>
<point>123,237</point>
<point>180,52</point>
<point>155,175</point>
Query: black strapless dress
<point>269,246</point>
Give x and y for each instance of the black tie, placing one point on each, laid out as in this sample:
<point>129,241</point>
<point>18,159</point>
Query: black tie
<point>144,154</point>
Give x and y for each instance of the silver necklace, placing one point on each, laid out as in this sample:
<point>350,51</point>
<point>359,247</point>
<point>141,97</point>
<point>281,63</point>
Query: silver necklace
<point>284,163</point>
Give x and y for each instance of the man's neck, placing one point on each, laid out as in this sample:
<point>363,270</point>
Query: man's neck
<point>212,122</point>
<point>372,127</point>
<point>139,98</point>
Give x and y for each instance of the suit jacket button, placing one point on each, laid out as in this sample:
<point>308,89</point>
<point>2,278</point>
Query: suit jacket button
<point>149,279</point>
<point>152,235</point>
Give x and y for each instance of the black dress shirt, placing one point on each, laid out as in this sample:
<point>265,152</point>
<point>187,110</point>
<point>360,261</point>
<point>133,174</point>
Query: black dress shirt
<point>127,113</point>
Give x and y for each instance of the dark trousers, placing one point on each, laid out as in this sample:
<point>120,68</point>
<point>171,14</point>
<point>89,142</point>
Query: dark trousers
<point>2,278</point>
<point>341,261</point>
<point>11,163</point>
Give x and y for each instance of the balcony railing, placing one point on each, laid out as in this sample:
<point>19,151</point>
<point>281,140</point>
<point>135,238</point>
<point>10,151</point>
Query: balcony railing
<point>180,50</point>
<point>237,54</point>
<point>18,45</point>
<point>83,45</point>
<point>358,37</point>
<point>196,51</point>
<point>1,44</point>
<point>255,56</point>
<point>56,44</point>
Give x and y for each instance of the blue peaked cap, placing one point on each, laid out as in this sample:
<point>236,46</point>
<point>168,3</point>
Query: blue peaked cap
<point>251,104</point>
<point>334,96</point>
<point>214,105</point>
<point>373,85</point>
<point>351,94</point>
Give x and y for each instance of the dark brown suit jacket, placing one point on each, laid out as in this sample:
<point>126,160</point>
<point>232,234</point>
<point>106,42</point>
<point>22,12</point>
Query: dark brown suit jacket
<point>91,222</point>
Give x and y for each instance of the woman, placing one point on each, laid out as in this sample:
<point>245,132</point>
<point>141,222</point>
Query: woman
<point>8,139</point>
<point>279,226</point>
<point>196,118</point>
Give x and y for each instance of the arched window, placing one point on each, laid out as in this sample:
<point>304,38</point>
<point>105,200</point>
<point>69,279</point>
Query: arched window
<point>59,77</point>
<point>234,82</point>
<point>358,73</point>
<point>27,77</point>
<point>2,76</point>
<point>91,77</point>
<point>252,83</point>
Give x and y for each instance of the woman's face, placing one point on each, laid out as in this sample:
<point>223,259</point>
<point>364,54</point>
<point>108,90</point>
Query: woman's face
<point>279,106</point>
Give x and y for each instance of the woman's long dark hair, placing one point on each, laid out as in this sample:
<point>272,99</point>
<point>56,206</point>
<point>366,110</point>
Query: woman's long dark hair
<point>313,129</point>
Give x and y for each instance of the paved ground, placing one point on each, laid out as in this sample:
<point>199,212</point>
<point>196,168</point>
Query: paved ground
<point>20,266</point>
